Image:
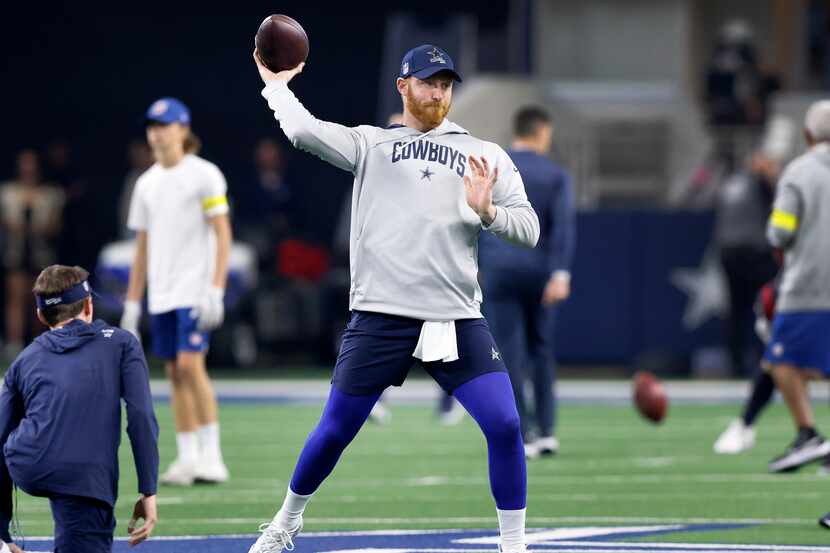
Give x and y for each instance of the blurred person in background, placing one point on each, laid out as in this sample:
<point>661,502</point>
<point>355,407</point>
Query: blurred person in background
<point>739,84</point>
<point>31,218</point>
<point>77,242</point>
<point>139,158</point>
<point>264,209</point>
<point>800,226</point>
<point>522,286</point>
<point>736,94</point>
<point>739,436</point>
<point>734,83</point>
<point>179,211</point>
<point>743,206</point>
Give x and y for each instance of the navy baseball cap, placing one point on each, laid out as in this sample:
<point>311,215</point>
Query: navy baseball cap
<point>425,61</point>
<point>168,110</point>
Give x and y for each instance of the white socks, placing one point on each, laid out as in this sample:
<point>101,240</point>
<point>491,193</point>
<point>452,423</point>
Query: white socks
<point>209,442</point>
<point>512,530</point>
<point>291,512</point>
<point>201,445</point>
<point>188,445</point>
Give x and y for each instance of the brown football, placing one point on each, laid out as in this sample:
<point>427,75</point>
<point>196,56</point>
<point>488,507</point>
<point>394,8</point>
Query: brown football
<point>650,397</point>
<point>281,43</point>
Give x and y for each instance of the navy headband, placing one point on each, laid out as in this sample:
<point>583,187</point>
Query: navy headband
<point>67,297</point>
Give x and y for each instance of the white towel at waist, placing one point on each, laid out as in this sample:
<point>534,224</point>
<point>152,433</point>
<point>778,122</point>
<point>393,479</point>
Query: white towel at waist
<point>437,342</point>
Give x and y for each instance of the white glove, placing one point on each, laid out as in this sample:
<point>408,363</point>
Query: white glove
<point>763,329</point>
<point>211,312</point>
<point>131,317</point>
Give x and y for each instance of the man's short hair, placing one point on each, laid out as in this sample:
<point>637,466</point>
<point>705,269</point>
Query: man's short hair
<point>54,280</point>
<point>528,120</point>
<point>817,121</point>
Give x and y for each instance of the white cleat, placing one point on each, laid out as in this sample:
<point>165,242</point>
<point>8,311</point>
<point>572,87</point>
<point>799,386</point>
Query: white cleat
<point>179,473</point>
<point>547,446</point>
<point>531,451</point>
<point>736,438</point>
<point>275,538</point>
<point>212,472</point>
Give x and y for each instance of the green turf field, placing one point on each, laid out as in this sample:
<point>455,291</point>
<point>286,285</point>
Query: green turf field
<point>613,469</point>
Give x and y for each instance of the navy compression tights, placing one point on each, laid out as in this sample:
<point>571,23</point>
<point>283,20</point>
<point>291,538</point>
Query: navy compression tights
<point>488,398</point>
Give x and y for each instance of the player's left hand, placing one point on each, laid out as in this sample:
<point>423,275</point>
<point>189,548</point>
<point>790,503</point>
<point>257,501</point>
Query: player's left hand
<point>556,290</point>
<point>479,184</point>
<point>145,508</point>
<point>211,311</point>
<point>14,549</point>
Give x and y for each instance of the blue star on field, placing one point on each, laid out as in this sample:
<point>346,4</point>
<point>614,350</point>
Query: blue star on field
<point>426,174</point>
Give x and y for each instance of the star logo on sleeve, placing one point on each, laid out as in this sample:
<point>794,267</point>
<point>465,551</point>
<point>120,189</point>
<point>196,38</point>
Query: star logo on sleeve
<point>426,174</point>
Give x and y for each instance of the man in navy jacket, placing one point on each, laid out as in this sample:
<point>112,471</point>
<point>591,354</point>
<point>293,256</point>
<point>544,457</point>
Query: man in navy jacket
<point>60,419</point>
<point>522,285</point>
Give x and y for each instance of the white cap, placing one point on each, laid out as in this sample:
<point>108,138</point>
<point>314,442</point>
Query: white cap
<point>817,121</point>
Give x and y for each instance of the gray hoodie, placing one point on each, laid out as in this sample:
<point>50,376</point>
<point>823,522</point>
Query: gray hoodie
<point>800,225</point>
<point>413,238</point>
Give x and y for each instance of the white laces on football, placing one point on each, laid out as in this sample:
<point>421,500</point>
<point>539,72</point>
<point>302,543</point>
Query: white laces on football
<point>273,538</point>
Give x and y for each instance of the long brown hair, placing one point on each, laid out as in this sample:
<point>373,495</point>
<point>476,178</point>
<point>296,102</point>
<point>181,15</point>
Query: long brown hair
<point>192,143</point>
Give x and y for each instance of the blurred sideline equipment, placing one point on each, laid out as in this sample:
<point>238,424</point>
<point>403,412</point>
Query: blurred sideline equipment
<point>281,43</point>
<point>650,397</point>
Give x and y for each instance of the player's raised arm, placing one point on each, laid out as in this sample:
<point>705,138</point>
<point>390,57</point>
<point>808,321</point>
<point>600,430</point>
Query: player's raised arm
<point>512,217</point>
<point>336,144</point>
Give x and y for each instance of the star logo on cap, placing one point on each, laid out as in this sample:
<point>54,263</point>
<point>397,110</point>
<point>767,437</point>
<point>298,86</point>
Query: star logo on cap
<point>405,68</point>
<point>159,107</point>
<point>494,354</point>
<point>426,174</point>
<point>437,56</point>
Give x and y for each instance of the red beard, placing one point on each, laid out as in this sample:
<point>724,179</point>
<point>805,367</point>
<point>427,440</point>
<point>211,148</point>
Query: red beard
<point>431,114</point>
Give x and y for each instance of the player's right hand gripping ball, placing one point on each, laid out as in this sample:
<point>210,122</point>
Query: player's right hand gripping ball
<point>281,43</point>
<point>650,397</point>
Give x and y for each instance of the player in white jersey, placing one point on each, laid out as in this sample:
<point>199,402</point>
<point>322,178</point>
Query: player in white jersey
<point>179,210</point>
<point>423,191</point>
